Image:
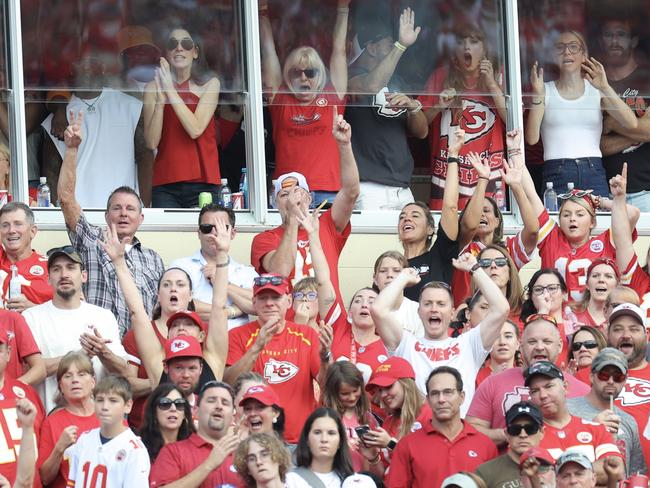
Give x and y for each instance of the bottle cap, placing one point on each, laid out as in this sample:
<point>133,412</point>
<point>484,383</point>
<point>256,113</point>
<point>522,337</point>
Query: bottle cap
<point>224,181</point>
<point>549,184</point>
<point>43,180</point>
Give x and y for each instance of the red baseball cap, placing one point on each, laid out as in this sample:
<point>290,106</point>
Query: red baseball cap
<point>193,316</point>
<point>388,372</point>
<point>271,281</point>
<point>263,394</point>
<point>183,347</point>
<point>539,453</point>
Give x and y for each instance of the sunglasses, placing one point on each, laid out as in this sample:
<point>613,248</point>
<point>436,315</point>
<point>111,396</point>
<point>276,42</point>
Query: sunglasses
<point>487,262</point>
<point>587,344</point>
<point>605,376</point>
<point>540,316</point>
<point>310,296</point>
<point>574,193</point>
<point>515,429</point>
<point>207,228</point>
<point>539,289</point>
<point>166,403</point>
<point>65,249</point>
<point>265,280</point>
<point>573,47</point>
<point>186,43</point>
<point>309,73</point>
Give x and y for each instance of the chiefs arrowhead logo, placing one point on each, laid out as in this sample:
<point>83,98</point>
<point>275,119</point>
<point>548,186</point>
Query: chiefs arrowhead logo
<point>512,397</point>
<point>635,392</point>
<point>255,389</point>
<point>279,371</point>
<point>179,345</point>
<point>476,119</point>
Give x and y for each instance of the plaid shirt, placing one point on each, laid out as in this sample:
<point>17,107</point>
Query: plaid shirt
<point>102,288</point>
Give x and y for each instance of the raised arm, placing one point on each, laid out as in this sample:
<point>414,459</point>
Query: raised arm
<point>68,174</point>
<point>536,113</point>
<point>449,214</point>
<point>633,213</point>
<point>26,466</point>
<point>215,351</point>
<point>283,259</point>
<point>487,72</point>
<point>513,173</point>
<point>149,348</point>
<point>338,60</point>
<point>152,112</point>
<point>347,196</point>
<point>471,218</point>
<point>499,307</point>
<point>271,68</point>
<point>386,324</point>
<point>621,230</point>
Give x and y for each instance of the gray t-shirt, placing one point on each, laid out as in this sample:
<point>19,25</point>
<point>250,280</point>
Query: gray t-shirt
<point>500,472</point>
<point>627,438</point>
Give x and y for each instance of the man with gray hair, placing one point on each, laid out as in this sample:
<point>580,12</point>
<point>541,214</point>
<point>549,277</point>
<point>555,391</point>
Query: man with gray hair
<point>575,470</point>
<point>608,375</point>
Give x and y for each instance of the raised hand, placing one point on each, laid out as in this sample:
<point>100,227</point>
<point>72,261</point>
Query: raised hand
<point>26,413</point>
<point>399,101</point>
<point>487,72</point>
<point>511,175</point>
<point>165,76</point>
<point>595,74</point>
<point>226,446</point>
<point>618,184</point>
<point>112,245</point>
<point>411,276</point>
<point>513,139</point>
<point>537,80</point>
<point>309,220</point>
<point>464,262</point>
<point>408,33</point>
<point>59,122</point>
<point>480,165</point>
<point>341,130</point>
<point>456,140</point>
<point>446,97</point>
<point>220,240</point>
<point>326,337</point>
<point>266,333</point>
<point>301,313</point>
<point>72,136</point>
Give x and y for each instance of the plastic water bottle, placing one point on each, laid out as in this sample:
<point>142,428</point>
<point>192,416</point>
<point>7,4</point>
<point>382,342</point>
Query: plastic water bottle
<point>14,284</point>
<point>500,197</point>
<point>550,197</point>
<point>225,195</point>
<point>272,194</point>
<point>243,186</point>
<point>43,195</point>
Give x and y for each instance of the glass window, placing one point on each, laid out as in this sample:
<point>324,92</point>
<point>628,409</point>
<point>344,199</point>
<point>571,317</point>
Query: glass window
<point>585,78</point>
<point>5,98</point>
<point>160,86</point>
<point>403,78</point>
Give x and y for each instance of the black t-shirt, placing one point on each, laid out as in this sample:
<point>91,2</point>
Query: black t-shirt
<point>635,91</point>
<point>379,135</point>
<point>206,376</point>
<point>435,264</point>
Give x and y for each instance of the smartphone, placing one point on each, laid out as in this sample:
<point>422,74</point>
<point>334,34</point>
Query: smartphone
<point>362,430</point>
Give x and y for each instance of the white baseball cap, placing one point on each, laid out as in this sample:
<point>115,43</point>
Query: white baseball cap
<point>358,481</point>
<point>628,309</point>
<point>290,179</point>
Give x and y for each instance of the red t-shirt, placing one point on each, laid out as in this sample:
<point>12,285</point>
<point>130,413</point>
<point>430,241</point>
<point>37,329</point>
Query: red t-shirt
<point>33,275</point>
<point>289,363</point>
<point>584,375</point>
<point>484,134</point>
<point>590,438</point>
<point>556,252</point>
<point>636,278</point>
<point>51,430</point>
<point>137,412</point>
<point>179,459</point>
<point>21,342</point>
<point>635,400</point>
<point>11,391</point>
<point>412,464</point>
<point>303,138</point>
<point>331,240</point>
<point>585,318</point>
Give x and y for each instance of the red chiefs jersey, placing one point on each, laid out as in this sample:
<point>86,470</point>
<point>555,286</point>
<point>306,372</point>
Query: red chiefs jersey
<point>331,240</point>
<point>51,430</point>
<point>556,252</point>
<point>635,400</point>
<point>21,342</point>
<point>303,138</point>
<point>589,438</point>
<point>289,363</point>
<point>461,281</point>
<point>11,436</point>
<point>636,278</point>
<point>484,134</point>
<point>33,276</point>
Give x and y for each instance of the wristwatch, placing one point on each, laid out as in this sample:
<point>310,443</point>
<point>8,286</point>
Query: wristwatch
<point>391,444</point>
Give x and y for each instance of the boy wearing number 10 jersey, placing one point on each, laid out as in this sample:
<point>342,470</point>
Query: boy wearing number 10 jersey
<point>112,455</point>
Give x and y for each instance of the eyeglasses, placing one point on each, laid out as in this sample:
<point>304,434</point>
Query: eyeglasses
<point>573,47</point>
<point>265,280</point>
<point>540,316</point>
<point>574,193</point>
<point>308,72</point>
<point>186,43</point>
<point>539,289</point>
<point>605,376</point>
<point>207,228</point>
<point>253,458</point>
<point>310,295</point>
<point>515,429</point>
<point>487,262</point>
<point>587,344</point>
<point>166,403</point>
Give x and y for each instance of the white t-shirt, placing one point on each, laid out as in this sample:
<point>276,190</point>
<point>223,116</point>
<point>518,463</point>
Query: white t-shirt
<point>572,128</point>
<point>465,353</point>
<point>122,460</point>
<point>407,316</point>
<point>106,158</point>
<point>330,480</point>
<point>57,331</point>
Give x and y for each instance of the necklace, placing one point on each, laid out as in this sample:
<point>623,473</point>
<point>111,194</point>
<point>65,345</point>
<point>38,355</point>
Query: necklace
<point>90,107</point>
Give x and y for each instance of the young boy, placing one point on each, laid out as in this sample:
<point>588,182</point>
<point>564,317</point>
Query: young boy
<point>112,455</point>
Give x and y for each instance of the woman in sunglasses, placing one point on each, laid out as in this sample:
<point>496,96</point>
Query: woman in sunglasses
<point>498,264</point>
<point>76,415</point>
<point>167,419</point>
<point>302,103</point>
<point>567,114</point>
<point>179,122</point>
<point>602,278</point>
<point>586,343</point>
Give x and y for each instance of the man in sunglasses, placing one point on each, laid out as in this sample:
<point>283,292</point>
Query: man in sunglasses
<point>608,375</point>
<point>563,431</point>
<point>200,267</point>
<point>524,431</point>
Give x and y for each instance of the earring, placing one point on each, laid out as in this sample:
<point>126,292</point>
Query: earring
<point>275,420</point>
